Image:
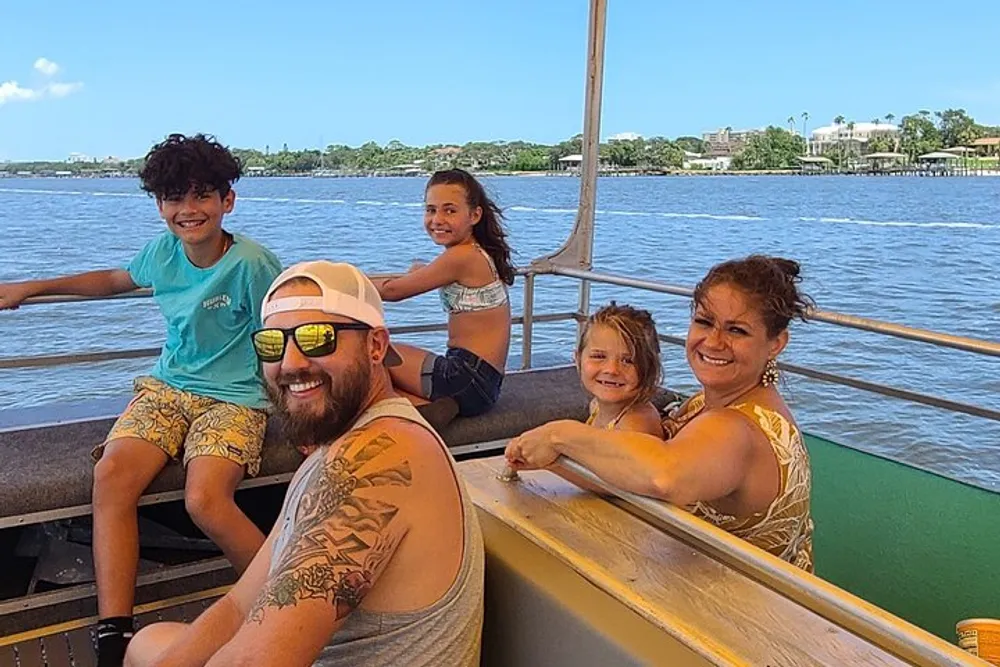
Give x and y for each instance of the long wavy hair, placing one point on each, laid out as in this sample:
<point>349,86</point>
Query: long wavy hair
<point>488,232</point>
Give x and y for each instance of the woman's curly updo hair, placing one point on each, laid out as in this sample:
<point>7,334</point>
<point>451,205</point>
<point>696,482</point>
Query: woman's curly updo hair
<point>771,282</point>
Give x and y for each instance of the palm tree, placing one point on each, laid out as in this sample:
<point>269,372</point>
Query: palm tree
<point>850,136</point>
<point>791,124</point>
<point>874,133</point>
<point>838,121</point>
<point>805,119</point>
<point>889,117</point>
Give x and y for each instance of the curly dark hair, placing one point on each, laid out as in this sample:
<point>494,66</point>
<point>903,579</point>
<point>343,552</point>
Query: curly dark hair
<point>772,282</point>
<point>488,232</point>
<point>638,330</point>
<point>179,163</point>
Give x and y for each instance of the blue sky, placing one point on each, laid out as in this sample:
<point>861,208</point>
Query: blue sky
<point>112,77</point>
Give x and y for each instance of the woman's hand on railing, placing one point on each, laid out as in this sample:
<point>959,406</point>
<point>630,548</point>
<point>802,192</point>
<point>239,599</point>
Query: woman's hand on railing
<point>536,448</point>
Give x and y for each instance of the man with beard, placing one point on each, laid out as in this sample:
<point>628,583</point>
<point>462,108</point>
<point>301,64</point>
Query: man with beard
<point>377,557</point>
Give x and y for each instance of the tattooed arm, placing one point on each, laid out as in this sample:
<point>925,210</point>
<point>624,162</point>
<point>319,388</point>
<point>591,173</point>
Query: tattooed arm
<point>348,524</point>
<point>219,623</point>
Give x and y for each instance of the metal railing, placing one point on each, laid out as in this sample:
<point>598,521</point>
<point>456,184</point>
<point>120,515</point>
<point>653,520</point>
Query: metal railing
<point>975,346</point>
<point>529,318</point>
<point>42,361</point>
<point>989,348</point>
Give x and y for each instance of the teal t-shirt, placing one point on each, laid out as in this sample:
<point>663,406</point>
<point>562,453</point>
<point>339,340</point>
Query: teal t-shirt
<point>210,314</point>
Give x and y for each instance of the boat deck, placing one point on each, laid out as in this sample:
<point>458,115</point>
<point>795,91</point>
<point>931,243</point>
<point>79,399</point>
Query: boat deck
<point>72,644</point>
<point>560,556</point>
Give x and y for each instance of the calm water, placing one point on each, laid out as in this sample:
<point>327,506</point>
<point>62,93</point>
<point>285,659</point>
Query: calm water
<point>921,252</point>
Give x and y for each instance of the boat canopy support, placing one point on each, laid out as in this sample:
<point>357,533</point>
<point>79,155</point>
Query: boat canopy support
<point>578,250</point>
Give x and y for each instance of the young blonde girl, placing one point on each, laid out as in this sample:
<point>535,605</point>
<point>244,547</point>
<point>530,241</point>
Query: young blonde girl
<point>473,274</point>
<point>619,363</point>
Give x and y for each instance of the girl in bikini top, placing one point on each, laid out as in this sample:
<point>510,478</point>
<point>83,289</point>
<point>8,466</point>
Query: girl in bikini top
<point>619,363</point>
<point>457,298</point>
<point>467,225</point>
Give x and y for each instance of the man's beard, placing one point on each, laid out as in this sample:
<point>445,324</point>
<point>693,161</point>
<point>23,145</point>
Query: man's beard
<point>342,400</point>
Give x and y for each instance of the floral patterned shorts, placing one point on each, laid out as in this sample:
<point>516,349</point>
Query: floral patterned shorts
<point>185,424</point>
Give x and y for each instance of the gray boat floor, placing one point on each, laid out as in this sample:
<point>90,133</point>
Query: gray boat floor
<point>71,644</point>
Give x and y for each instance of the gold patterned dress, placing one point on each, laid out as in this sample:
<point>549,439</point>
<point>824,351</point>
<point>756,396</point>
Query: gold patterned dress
<point>785,528</point>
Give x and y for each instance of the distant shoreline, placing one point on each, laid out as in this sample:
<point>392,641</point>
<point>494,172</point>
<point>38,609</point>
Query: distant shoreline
<point>538,174</point>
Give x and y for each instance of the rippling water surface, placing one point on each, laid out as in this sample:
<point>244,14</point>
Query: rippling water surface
<point>922,252</point>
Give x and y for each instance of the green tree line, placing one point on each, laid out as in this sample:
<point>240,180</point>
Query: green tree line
<point>498,156</point>
<point>921,132</point>
<point>774,148</point>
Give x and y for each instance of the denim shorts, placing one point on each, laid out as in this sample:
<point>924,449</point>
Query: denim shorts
<point>464,376</point>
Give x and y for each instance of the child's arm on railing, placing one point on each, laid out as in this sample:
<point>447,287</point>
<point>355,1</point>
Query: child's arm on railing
<point>420,278</point>
<point>92,283</point>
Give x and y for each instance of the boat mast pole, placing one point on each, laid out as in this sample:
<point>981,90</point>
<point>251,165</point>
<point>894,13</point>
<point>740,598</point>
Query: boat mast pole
<point>578,250</point>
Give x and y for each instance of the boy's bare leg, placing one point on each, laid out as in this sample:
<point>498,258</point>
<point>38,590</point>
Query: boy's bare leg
<point>208,495</point>
<point>123,472</point>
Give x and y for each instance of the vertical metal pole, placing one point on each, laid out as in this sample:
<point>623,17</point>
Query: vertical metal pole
<point>583,309</point>
<point>529,313</point>
<point>591,148</point>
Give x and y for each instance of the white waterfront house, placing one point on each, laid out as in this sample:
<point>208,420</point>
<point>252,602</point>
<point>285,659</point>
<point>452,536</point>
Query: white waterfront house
<point>823,138</point>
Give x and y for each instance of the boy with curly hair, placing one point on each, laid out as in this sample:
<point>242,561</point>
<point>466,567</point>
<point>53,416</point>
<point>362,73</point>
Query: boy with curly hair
<point>203,403</point>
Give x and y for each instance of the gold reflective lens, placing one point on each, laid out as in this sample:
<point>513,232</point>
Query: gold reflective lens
<point>316,340</point>
<point>269,344</point>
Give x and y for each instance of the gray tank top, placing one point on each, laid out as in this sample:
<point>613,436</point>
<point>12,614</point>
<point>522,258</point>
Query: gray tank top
<point>447,632</point>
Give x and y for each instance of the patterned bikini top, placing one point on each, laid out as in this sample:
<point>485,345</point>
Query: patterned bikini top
<point>457,298</point>
<point>611,425</point>
<point>785,528</point>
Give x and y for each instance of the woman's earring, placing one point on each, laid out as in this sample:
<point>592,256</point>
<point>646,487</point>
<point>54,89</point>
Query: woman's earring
<point>771,374</point>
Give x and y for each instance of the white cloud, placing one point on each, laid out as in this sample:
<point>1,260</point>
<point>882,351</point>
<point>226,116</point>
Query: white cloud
<point>12,91</point>
<point>46,66</point>
<point>63,89</point>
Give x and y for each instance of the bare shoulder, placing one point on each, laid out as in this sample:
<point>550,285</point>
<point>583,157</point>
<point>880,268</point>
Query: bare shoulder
<point>399,440</point>
<point>474,265</point>
<point>465,252</point>
<point>371,462</point>
<point>643,418</point>
<point>404,433</point>
<point>722,425</point>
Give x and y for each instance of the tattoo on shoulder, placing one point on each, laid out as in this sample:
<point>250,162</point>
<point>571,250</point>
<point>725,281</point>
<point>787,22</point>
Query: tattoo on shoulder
<point>341,539</point>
